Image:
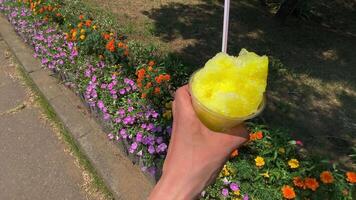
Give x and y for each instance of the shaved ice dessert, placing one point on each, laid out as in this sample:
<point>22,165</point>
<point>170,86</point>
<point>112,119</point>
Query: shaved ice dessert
<point>229,89</point>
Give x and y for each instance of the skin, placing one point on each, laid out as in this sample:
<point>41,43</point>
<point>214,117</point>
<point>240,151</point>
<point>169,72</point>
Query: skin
<point>195,155</point>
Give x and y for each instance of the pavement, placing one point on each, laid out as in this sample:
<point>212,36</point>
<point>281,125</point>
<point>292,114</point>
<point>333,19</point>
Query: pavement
<point>34,162</point>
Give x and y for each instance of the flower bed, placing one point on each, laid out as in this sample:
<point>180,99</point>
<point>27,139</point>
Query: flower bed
<point>128,88</point>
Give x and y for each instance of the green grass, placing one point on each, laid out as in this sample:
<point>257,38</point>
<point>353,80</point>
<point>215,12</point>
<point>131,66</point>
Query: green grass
<point>48,110</point>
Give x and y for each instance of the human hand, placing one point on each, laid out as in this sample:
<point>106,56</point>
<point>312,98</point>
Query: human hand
<point>195,155</point>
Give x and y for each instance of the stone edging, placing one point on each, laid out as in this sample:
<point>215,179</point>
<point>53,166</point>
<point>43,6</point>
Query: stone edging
<point>124,179</point>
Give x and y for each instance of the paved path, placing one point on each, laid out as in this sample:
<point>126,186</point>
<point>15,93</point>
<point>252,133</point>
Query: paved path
<point>33,161</point>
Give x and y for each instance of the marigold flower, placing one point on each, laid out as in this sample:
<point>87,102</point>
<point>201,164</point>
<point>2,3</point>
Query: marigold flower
<point>157,90</point>
<point>311,183</point>
<point>81,17</point>
<point>144,95</point>
<point>298,182</point>
<point>120,44</point>
<point>106,36</point>
<point>88,23</point>
<point>110,46</point>
<point>166,77</point>
<point>259,135</point>
<point>167,114</point>
<point>82,37</point>
<point>94,27</point>
<point>351,177</point>
<point>288,192</point>
<point>293,163</point>
<point>326,177</point>
<point>82,31</point>
<point>234,153</point>
<point>58,14</point>
<point>148,85</point>
<point>225,171</point>
<point>259,161</point>
<point>126,53</point>
<point>151,63</point>
<point>141,73</point>
<point>149,68</point>
<point>282,150</point>
<point>80,25</point>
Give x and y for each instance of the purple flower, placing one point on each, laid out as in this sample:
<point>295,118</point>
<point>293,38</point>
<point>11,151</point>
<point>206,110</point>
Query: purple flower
<point>225,192</point>
<point>234,187</point>
<point>159,140</point>
<point>121,112</point>
<point>154,114</point>
<point>101,104</point>
<point>245,197</point>
<point>44,61</point>
<point>133,147</point>
<point>117,120</point>
<point>143,126</point>
<point>151,149</point>
<point>106,116</point>
<point>139,137</point>
<point>123,133</point>
<point>151,171</point>
<point>130,109</point>
<point>122,91</point>
<point>110,86</point>
<point>110,136</point>
<point>161,148</point>
<point>150,126</point>
<point>103,86</point>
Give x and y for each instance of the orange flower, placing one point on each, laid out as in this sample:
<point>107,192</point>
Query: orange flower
<point>157,90</point>
<point>167,77</point>
<point>80,25</point>
<point>149,68</point>
<point>126,53</point>
<point>88,23</point>
<point>106,36</point>
<point>326,177</point>
<point>120,44</point>
<point>234,153</point>
<point>58,14</point>
<point>81,17</point>
<point>141,73</point>
<point>151,63</point>
<point>158,79</point>
<point>148,85</point>
<point>311,183</point>
<point>259,135</point>
<point>111,45</point>
<point>144,95</point>
<point>351,177</point>
<point>298,182</point>
<point>288,192</point>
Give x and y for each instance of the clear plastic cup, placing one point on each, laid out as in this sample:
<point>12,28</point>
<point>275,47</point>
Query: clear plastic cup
<point>216,121</point>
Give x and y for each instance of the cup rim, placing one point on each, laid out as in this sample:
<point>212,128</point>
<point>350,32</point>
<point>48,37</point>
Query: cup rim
<point>260,108</point>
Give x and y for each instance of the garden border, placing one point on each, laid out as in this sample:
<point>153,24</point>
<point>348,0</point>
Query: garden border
<point>124,179</point>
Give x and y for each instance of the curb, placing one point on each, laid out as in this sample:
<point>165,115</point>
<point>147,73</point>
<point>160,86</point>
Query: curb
<point>124,179</point>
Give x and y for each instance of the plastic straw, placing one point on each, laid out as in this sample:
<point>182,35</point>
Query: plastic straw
<point>226,25</point>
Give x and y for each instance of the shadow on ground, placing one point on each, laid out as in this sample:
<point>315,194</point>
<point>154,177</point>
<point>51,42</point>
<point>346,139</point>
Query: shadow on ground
<point>312,93</point>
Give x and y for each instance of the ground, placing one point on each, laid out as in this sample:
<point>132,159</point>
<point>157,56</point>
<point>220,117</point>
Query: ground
<point>311,91</point>
<point>35,162</point>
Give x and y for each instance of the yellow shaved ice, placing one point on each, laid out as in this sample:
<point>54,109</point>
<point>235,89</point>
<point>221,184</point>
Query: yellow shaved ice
<point>232,86</point>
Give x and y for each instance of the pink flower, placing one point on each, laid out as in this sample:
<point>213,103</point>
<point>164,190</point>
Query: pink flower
<point>298,142</point>
<point>225,192</point>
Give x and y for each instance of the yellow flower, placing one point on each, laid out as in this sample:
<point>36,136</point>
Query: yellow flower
<point>167,114</point>
<point>293,163</point>
<point>237,192</point>
<point>82,37</point>
<point>225,171</point>
<point>169,105</point>
<point>82,31</point>
<point>259,161</point>
<point>94,27</point>
<point>266,174</point>
<point>282,150</point>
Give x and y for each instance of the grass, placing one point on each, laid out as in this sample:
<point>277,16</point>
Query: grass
<point>96,182</point>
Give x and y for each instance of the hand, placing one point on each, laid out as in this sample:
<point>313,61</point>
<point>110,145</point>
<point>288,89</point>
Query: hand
<point>195,155</point>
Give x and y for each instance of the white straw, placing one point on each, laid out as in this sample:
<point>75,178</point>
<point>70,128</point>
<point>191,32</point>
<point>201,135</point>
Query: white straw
<point>226,25</point>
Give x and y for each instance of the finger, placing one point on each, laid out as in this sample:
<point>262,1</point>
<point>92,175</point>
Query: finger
<point>183,100</point>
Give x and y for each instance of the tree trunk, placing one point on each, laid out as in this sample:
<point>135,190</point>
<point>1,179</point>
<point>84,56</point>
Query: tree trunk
<point>286,9</point>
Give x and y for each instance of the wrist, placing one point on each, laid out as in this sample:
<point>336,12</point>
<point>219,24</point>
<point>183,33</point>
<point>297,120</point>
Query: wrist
<point>173,187</point>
